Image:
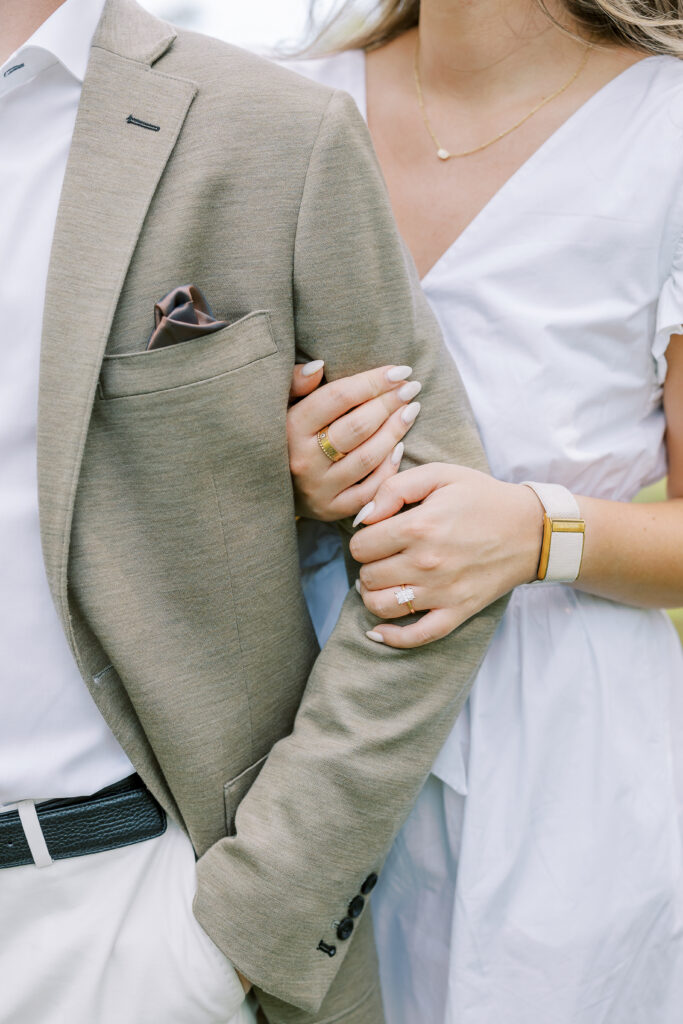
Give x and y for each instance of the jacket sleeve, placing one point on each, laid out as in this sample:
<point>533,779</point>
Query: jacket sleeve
<point>319,820</point>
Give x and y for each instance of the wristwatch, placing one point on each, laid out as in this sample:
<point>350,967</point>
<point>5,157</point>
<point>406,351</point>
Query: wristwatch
<point>563,534</point>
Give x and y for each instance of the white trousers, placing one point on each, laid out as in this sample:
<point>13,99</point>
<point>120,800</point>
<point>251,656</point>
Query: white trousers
<point>110,938</point>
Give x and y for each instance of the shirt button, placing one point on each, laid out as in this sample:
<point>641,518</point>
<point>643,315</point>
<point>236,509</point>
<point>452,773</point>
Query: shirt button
<point>356,906</point>
<point>345,928</point>
<point>369,884</point>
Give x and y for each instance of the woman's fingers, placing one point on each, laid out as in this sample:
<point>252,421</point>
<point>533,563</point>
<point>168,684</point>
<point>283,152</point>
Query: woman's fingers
<point>430,627</point>
<point>338,397</point>
<point>362,461</point>
<point>387,538</point>
<point>384,604</point>
<point>350,500</point>
<point>383,411</point>
<point>409,488</point>
<point>383,575</point>
<point>353,481</point>
<point>349,432</point>
<point>306,378</point>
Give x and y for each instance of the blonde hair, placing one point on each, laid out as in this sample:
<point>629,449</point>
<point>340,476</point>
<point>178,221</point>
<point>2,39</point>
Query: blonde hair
<point>651,26</point>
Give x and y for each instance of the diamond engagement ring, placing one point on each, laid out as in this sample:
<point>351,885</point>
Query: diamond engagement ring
<point>405,595</point>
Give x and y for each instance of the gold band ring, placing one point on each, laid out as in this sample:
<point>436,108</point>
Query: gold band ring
<point>406,595</point>
<point>328,448</point>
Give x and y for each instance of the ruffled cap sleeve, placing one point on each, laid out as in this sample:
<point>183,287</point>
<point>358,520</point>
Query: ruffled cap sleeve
<point>669,313</point>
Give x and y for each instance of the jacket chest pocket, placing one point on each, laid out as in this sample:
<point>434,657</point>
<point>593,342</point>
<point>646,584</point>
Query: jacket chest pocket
<point>188,363</point>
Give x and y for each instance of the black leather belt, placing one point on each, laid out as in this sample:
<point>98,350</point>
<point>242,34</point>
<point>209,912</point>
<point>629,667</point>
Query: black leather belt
<point>119,815</point>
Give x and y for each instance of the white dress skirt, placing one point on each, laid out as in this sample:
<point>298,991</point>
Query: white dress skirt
<point>539,878</point>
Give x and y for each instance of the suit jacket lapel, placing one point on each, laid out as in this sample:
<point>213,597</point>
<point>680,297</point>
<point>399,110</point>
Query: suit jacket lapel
<point>113,171</point>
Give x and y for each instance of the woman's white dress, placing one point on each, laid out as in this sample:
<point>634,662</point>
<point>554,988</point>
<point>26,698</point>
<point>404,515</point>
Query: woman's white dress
<point>539,879</point>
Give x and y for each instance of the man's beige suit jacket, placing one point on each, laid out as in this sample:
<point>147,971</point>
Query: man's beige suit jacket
<point>166,504</point>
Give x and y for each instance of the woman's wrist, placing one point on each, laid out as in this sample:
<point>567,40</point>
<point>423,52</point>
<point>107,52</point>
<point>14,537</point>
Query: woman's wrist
<point>599,554</point>
<point>529,535</point>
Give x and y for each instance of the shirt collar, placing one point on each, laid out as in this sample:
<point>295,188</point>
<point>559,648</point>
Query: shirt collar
<point>65,38</point>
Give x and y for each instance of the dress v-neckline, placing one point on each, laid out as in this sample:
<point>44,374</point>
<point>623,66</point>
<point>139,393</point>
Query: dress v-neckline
<point>524,168</point>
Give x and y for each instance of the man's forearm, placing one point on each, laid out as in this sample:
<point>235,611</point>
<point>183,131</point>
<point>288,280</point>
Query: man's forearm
<point>323,811</point>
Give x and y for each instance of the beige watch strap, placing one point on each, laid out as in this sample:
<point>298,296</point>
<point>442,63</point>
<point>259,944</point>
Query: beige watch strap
<point>563,534</point>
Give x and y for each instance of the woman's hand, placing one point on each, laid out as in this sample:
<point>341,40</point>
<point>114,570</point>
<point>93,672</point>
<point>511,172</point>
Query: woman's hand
<point>469,541</point>
<point>365,417</point>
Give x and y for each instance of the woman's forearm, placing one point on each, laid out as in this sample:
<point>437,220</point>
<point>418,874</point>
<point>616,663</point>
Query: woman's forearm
<point>633,552</point>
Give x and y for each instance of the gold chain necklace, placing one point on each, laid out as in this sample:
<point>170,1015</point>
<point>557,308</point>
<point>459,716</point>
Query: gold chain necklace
<point>444,154</point>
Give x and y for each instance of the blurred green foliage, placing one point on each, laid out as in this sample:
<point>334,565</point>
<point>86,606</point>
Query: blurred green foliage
<point>657,492</point>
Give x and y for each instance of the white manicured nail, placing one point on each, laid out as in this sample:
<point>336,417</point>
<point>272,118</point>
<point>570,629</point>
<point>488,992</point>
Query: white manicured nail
<point>397,454</point>
<point>358,586</point>
<point>409,390</point>
<point>310,368</point>
<point>377,637</point>
<point>365,511</point>
<point>409,414</point>
<point>399,373</point>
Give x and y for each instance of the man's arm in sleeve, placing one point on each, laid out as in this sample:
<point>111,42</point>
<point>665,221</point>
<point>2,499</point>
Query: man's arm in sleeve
<point>322,814</point>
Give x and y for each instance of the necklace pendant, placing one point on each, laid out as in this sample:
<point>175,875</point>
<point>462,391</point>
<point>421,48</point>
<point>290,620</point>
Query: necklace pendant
<point>443,154</point>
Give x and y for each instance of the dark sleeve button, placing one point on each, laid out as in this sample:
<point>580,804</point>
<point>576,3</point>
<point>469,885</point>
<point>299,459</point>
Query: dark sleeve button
<point>369,884</point>
<point>356,906</point>
<point>345,928</point>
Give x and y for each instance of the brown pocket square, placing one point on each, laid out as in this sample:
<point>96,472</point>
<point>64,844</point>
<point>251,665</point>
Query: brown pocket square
<point>182,315</point>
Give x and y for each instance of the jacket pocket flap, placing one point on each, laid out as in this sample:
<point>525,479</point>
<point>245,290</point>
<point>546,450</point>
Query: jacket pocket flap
<point>188,362</point>
<point>235,791</point>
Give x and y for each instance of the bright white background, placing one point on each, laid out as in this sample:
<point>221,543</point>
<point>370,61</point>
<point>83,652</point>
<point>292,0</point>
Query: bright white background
<point>256,24</point>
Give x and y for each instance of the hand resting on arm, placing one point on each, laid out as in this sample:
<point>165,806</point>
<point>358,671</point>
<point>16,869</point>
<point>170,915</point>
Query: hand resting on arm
<point>461,539</point>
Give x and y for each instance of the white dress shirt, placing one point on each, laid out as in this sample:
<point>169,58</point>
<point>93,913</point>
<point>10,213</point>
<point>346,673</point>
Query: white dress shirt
<point>53,740</point>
